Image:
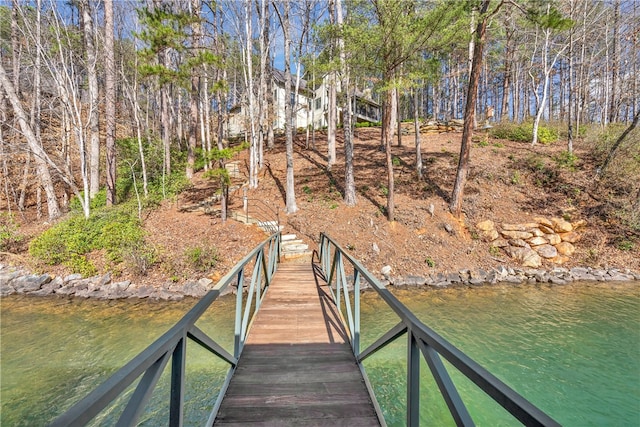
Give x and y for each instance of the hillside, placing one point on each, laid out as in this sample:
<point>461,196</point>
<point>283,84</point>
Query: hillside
<point>509,182</point>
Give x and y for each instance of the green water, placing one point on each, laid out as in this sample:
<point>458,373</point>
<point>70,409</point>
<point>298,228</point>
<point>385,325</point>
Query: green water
<point>574,351</point>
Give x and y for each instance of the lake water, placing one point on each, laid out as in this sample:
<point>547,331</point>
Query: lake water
<point>574,351</point>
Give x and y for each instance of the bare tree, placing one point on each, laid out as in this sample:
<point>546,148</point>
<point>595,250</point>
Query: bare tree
<point>34,145</point>
<point>92,107</point>
<point>110,102</point>
<point>283,15</point>
<point>470,109</point>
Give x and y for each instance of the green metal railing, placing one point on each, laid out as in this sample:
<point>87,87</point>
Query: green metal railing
<point>421,339</point>
<point>171,346</point>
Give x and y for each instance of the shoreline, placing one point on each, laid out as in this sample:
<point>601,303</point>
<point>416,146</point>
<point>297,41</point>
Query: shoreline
<point>16,281</point>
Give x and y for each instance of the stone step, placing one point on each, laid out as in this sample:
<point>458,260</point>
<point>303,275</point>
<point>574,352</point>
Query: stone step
<point>292,242</point>
<point>300,247</point>
<point>288,237</point>
<point>304,256</point>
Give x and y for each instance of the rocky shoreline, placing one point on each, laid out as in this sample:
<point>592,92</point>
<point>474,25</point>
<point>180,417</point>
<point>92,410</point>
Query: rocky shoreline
<point>18,281</point>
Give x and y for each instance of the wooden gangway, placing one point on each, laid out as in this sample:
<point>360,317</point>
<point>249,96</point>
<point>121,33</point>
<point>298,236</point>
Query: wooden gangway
<point>297,367</point>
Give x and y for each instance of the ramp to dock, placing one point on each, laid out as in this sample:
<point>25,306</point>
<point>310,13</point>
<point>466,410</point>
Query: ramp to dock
<point>297,367</point>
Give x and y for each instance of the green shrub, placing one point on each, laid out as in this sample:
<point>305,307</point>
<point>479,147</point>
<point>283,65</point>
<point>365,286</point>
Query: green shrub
<point>202,258</point>
<point>8,231</point>
<point>524,132</point>
<point>116,230</point>
<point>566,160</point>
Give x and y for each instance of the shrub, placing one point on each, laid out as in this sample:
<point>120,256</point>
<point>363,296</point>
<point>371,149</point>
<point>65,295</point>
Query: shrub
<point>524,132</point>
<point>566,160</point>
<point>202,258</point>
<point>117,231</point>
<point>8,231</point>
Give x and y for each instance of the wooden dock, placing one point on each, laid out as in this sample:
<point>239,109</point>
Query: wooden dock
<point>297,368</point>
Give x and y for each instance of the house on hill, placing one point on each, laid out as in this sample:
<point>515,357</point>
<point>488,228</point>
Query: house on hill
<point>310,107</point>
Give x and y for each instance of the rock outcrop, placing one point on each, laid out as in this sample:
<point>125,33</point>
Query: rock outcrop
<point>531,243</point>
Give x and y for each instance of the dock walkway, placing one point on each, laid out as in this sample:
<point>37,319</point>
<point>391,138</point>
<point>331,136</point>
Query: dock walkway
<point>297,367</point>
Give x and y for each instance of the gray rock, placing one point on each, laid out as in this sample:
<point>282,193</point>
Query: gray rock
<point>207,283</point>
<point>386,271</point>
<point>72,277</point>
<point>413,281</point>
<point>8,276</point>
<point>557,281</point>
<point>512,279</point>
<point>6,289</point>
<point>195,289</point>
<point>546,251</point>
<point>449,228</point>
<point>454,278</point>
<point>66,290</point>
<point>29,283</point>
<point>54,284</point>
<point>476,282</point>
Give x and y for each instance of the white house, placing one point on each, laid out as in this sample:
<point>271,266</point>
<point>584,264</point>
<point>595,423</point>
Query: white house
<point>310,108</point>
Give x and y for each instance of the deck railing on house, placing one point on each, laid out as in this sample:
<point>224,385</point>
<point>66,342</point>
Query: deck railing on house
<point>331,262</point>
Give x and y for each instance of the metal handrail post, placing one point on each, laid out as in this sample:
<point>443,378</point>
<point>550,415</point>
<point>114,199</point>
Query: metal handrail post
<point>356,309</point>
<point>237,341</point>
<point>178,366</point>
<point>413,381</point>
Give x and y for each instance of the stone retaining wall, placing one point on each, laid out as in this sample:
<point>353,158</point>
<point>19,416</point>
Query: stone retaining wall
<point>18,281</point>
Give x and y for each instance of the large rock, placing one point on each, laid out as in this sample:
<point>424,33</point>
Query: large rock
<point>518,227</point>
<point>513,234</point>
<point>579,224</point>
<point>543,221</point>
<point>537,241</point>
<point>553,239</point>
<point>527,256</point>
<point>29,283</point>
<point>571,237</point>
<point>565,248</point>
<point>561,226</point>
<point>546,251</point>
<point>487,225</point>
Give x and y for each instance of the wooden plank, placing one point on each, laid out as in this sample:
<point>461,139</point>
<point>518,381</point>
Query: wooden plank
<point>297,367</point>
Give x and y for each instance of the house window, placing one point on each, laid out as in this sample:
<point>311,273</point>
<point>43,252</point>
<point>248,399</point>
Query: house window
<point>318,103</point>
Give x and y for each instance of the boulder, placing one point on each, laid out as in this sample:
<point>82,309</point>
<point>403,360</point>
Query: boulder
<point>386,271</point>
<point>519,227</point>
<point>528,257</point>
<point>500,243</point>
<point>543,221</point>
<point>565,248</point>
<point>537,241</point>
<point>561,226</point>
<point>194,289</point>
<point>571,237</point>
<point>546,229</point>
<point>509,234</point>
<point>487,225</point>
<point>519,243</point>
<point>553,239</point>
<point>579,224</point>
<point>559,259</point>
<point>546,251</point>
<point>29,283</point>
<point>536,232</point>
<point>491,235</point>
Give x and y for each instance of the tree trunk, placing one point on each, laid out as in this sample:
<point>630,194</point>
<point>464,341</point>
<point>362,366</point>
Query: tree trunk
<point>416,126</point>
<point>93,113</point>
<point>387,137</point>
<point>469,113</point>
<point>34,146</point>
<point>290,187</point>
<point>349,178</point>
<point>332,113</point>
<point>110,103</point>
<point>194,99</point>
